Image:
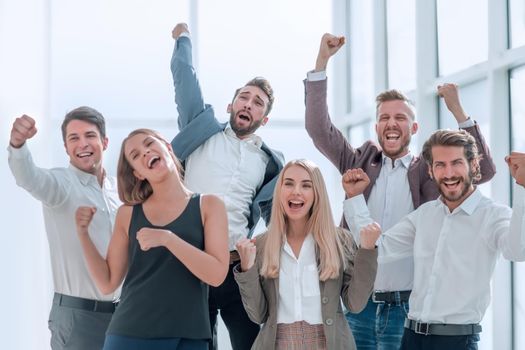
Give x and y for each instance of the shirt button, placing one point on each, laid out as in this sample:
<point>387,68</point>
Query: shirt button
<point>324,300</point>
<point>329,321</point>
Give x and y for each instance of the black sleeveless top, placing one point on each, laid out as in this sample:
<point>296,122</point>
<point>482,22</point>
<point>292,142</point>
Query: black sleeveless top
<point>160,297</point>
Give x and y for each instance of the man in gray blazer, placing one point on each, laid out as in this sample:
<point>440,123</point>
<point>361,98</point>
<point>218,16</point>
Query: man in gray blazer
<point>229,160</point>
<point>399,183</point>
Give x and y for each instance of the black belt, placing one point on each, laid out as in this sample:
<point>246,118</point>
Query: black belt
<point>84,304</point>
<point>390,297</point>
<point>442,329</point>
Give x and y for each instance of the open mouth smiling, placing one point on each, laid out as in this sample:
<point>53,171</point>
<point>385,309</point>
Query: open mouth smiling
<point>152,161</point>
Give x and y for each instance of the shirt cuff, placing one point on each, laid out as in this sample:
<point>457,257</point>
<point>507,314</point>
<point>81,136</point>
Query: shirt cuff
<point>18,153</point>
<point>467,123</point>
<point>355,206</point>
<point>185,34</point>
<point>316,76</point>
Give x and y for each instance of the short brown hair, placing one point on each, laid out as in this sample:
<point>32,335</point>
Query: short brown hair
<point>86,114</point>
<point>265,86</point>
<point>395,95</point>
<point>454,138</point>
<point>132,190</point>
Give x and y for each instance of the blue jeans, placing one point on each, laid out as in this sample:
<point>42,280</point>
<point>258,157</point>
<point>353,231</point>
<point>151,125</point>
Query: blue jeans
<point>378,326</point>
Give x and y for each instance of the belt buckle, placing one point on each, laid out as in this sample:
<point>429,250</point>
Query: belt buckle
<point>422,328</point>
<point>375,300</point>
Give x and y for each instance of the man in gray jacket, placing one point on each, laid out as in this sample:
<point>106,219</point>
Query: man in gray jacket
<point>399,183</point>
<point>229,160</point>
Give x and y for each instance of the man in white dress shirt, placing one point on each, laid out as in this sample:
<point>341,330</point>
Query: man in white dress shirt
<point>80,314</point>
<point>229,160</point>
<point>455,241</point>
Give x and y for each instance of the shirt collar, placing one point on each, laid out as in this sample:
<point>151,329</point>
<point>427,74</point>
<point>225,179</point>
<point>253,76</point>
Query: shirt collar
<point>405,160</point>
<point>85,178</point>
<point>468,206</point>
<point>250,139</point>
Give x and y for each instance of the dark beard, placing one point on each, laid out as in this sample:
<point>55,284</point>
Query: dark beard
<point>241,132</point>
<point>466,187</point>
<point>395,154</point>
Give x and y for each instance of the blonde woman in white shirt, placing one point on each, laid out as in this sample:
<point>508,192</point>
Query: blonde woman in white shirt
<point>292,278</point>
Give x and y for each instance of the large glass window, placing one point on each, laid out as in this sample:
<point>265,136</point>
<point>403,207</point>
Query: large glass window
<point>517,22</point>
<point>517,91</point>
<point>401,36</point>
<point>462,34</point>
<point>361,43</point>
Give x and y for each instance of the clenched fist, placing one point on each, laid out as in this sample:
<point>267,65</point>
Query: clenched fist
<point>355,182</point>
<point>23,129</point>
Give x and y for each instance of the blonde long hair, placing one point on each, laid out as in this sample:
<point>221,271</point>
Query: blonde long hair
<point>320,223</point>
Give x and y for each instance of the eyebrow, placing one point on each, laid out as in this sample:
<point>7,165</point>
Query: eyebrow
<point>290,179</point>
<point>249,93</point>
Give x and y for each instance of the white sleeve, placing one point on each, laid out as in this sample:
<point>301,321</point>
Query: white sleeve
<point>45,185</point>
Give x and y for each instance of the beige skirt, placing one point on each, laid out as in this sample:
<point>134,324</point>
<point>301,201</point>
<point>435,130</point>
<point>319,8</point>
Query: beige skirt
<point>300,336</point>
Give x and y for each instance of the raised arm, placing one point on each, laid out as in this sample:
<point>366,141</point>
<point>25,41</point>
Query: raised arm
<point>450,94</point>
<point>210,265</point>
<point>360,270</point>
<point>108,273</point>
<point>511,236</point>
<point>43,184</point>
<point>249,281</point>
<point>188,94</point>
<point>325,135</point>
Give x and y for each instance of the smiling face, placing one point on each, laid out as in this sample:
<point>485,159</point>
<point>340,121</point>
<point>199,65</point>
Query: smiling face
<point>248,110</point>
<point>85,146</point>
<point>148,156</point>
<point>452,173</point>
<point>297,193</point>
<point>395,127</point>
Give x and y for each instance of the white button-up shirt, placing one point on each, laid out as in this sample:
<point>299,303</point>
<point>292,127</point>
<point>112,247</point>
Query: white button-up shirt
<point>232,169</point>
<point>299,292</point>
<point>62,191</point>
<point>454,252</point>
<point>390,200</point>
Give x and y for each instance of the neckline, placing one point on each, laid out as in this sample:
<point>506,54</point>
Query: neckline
<point>193,195</point>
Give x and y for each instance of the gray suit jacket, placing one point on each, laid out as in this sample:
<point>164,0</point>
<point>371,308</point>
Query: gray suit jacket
<point>197,123</point>
<point>331,142</point>
<point>260,296</point>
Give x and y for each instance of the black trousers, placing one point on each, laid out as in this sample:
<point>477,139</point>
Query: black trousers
<point>227,299</point>
<point>413,341</point>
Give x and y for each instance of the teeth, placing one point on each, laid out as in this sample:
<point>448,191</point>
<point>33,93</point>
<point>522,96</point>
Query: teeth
<point>152,159</point>
<point>84,154</point>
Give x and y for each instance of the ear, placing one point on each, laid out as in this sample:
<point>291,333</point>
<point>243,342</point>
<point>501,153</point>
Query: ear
<point>414,128</point>
<point>264,121</point>
<point>105,143</point>
<point>430,173</point>
<point>229,108</point>
<point>65,147</point>
<point>138,175</point>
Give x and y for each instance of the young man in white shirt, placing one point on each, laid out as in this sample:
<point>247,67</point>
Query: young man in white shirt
<point>80,314</point>
<point>455,241</point>
<point>229,160</point>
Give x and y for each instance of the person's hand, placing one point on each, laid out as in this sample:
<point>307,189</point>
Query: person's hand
<point>330,44</point>
<point>355,182</point>
<point>516,163</point>
<point>152,237</point>
<point>247,250</point>
<point>23,129</point>
<point>369,235</point>
<point>179,29</point>
<point>83,217</point>
<point>450,94</point>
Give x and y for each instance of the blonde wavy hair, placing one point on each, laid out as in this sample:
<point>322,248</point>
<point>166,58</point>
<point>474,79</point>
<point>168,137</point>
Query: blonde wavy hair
<point>328,244</point>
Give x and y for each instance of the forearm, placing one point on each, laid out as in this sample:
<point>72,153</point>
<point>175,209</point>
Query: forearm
<point>97,265</point>
<point>327,138</point>
<point>188,95</point>
<point>359,285</point>
<point>206,267</point>
<point>253,297</point>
